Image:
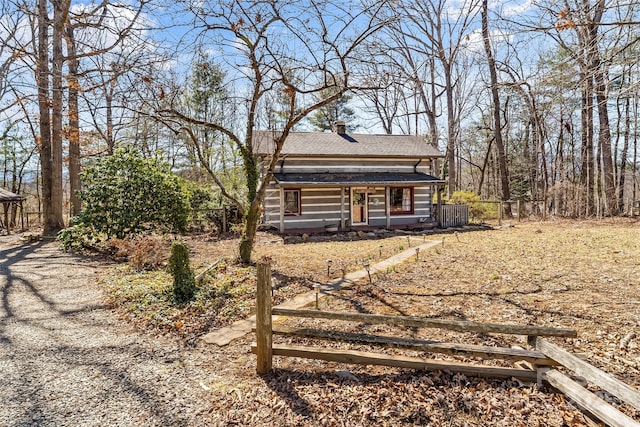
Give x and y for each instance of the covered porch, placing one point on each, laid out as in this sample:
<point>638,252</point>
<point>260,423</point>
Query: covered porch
<point>315,202</point>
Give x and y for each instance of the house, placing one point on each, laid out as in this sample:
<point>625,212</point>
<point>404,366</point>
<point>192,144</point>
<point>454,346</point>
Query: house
<point>339,181</point>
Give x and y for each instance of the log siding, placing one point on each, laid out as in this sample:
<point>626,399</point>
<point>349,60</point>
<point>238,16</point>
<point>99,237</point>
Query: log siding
<point>353,166</point>
<point>326,206</point>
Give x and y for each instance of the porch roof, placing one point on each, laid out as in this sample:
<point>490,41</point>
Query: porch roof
<point>7,196</point>
<point>352,179</point>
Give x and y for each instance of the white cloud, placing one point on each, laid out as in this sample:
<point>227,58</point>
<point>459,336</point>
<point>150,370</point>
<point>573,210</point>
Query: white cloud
<point>517,9</point>
<point>474,43</point>
<point>456,9</point>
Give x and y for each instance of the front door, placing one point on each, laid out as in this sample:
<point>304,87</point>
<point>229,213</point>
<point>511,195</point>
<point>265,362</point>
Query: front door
<point>359,206</point>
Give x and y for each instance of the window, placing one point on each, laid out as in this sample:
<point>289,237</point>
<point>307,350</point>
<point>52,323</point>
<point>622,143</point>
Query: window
<point>401,200</point>
<point>292,202</point>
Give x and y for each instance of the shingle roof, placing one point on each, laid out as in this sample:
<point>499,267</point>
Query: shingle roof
<point>8,196</point>
<point>354,178</point>
<point>319,144</point>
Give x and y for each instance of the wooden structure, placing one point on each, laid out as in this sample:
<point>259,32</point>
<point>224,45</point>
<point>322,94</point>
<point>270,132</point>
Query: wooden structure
<point>453,215</point>
<point>544,361</point>
<point>349,181</point>
<point>9,199</point>
<point>579,394</point>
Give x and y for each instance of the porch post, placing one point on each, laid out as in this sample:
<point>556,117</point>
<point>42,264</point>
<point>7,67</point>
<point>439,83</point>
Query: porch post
<point>281,210</point>
<point>440,190</point>
<point>387,206</point>
<point>6,207</point>
<point>342,224</point>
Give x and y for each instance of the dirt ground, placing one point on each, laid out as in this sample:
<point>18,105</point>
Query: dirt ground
<point>581,275</point>
<point>566,274</point>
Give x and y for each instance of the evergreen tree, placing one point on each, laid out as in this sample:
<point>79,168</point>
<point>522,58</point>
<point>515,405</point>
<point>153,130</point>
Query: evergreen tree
<point>324,118</point>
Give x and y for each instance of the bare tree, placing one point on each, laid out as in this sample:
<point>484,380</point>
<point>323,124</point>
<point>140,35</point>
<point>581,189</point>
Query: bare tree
<point>269,42</point>
<point>73,134</point>
<point>497,121</point>
<point>436,29</point>
<point>581,29</point>
<point>385,103</point>
<point>92,22</point>
<point>9,51</point>
<point>55,221</point>
<point>50,213</point>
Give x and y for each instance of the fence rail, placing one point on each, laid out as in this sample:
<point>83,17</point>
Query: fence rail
<point>539,362</point>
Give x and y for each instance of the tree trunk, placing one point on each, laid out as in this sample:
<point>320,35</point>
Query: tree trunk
<point>599,179</point>
<point>42,78</point>
<point>586,116</point>
<point>635,149</point>
<point>109,118</point>
<point>74,125</point>
<point>431,109</point>
<point>451,132</point>
<point>14,187</point>
<point>502,159</point>
<point>604,141</point>
<point>55,221</point>
<point>483,170</point>
<point>249,233</point>
<point>624,154</point>
<point>252,215</point>
<point>557,179</point>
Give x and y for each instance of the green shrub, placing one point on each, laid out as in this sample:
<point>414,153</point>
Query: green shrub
<point>478,211</point>
<point>200,204</point>
<point>81,236</point>
<point>206,211</point>
<point>464,197</point>
<point>184,282</point>
<point>124,195</point>
<point>231,215</point>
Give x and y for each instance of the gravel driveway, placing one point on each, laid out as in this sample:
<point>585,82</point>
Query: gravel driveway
<point>66,359</point>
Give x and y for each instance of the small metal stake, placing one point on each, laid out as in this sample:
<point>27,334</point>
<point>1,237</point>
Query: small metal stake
<point>329,262</point>
<point>408,241</point>
<point>417,254</point>
<point>366,267</point>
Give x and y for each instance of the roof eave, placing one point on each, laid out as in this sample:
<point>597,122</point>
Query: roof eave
<point>359,156</point>
<point>360,184</point>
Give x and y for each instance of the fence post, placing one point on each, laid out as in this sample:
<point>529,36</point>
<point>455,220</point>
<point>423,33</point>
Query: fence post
<point>500,213</point>
<point>263,318</point>
<point>518,207</point>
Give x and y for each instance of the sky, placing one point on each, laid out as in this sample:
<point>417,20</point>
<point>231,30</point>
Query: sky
<point>168,27</point>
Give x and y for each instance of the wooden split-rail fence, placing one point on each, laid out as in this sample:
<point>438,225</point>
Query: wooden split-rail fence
<point>545,361</point>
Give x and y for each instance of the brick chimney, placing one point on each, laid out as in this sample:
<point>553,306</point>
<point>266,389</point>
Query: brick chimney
<point>341,127</point>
